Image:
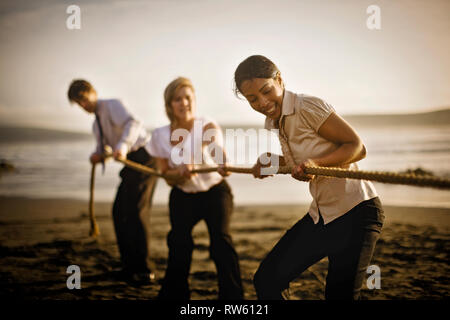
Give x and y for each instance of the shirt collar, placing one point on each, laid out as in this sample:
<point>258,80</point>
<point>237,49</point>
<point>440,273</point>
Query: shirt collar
<point>288,103</point>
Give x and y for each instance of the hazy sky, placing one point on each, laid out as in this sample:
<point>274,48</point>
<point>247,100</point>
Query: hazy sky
<point>132,49</point>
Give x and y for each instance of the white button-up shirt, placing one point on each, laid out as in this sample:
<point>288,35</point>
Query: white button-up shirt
<point>120,130</point>
<point>301,118</point>
<point>160,146</point>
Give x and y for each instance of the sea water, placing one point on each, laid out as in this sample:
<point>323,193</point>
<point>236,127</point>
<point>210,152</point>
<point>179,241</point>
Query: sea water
<point>61,169</point>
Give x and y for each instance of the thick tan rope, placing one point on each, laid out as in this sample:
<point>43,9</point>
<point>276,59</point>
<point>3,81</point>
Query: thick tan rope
<point>378,176</point>
<point>384,177</point>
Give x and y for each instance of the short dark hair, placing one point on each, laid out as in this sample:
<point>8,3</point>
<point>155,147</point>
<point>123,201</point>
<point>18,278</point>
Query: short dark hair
<point>77,88</point>
<point>256,66</point>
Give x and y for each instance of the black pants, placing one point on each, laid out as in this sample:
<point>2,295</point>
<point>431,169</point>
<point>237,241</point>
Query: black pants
<point>215,206</point>
<point>131,215</point>
<point>348,241</point>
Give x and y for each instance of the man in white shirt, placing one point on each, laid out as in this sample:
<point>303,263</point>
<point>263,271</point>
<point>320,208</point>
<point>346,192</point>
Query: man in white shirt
<point>115,126</point>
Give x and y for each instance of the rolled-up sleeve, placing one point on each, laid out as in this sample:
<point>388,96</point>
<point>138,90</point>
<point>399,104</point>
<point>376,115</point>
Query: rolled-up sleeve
<point>131,127</point>
<point>154,147</point>
<point>213,133</point>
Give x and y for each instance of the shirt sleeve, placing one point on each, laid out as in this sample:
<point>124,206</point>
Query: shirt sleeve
<point>131,127</point>
<point>213,137</point>
<point>96,132</point>
<point>213,133</point>
<point>154,147</point>
<point>315,111</point>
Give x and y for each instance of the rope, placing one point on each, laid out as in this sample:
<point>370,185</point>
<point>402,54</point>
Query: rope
<point>95,230</point>
<point>378,176</point>
<point>141,168</point>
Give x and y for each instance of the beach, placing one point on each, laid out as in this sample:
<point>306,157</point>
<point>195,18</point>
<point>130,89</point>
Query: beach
<point>354,82</point>
<point>41,238</point>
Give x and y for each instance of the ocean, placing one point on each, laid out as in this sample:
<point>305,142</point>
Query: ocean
<point>60,169</point>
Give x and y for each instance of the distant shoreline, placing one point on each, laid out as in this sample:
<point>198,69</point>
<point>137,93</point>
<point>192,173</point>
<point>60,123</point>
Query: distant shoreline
<point>11,133</point>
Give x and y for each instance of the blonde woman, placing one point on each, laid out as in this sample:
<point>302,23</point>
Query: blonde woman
<point>194,197</point>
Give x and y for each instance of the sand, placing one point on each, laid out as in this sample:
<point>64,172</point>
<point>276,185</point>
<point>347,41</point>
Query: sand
<point>40,238</point>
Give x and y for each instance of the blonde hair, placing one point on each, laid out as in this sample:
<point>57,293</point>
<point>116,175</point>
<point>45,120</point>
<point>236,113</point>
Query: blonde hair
<point>170,92</point>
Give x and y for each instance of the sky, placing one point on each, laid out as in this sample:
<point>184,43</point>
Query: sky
<point>132,49</point>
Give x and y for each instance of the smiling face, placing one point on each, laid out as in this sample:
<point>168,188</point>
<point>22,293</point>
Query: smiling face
<point>183,104</point>
<point>264,95</point>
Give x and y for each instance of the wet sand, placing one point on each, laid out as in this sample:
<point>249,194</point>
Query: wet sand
<point>40,238</point>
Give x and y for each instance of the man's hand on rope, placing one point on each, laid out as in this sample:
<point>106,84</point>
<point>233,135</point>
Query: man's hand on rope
<point>118,155</point>
<point>95,158</point>
<point>298,171</point>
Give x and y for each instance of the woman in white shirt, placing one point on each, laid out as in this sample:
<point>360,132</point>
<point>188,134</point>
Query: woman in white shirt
<point>345,217</point>
<point>179,147</point>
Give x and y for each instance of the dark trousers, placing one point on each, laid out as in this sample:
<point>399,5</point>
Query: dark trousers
<point>348,242</point>
<point>131,215</point>
<point>215,206</point>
